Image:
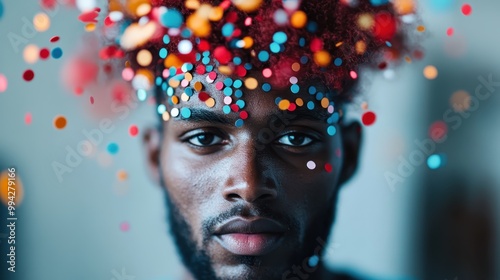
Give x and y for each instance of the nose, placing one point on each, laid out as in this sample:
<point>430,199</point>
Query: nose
<point>251,177</point>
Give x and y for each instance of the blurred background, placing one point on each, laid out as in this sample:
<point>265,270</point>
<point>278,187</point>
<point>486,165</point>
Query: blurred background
<point>424,203</point>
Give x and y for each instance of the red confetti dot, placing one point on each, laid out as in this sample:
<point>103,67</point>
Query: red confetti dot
<point>234,107</point>
<point>466,9</point>
<point>449,31</point>
<point>27,118</point>
<point>78,90</point>
<point>108,22</point>
<point>28,75</point>
<point>133,130</point>
<point>54,39</point>
<point>200,69</point>
<point>203,96</point>
<point>203,45</point>
<point>292,107</point>
<point>328,167</point>
<point>92,100</point>
<point>438,131</point>
<point>316,45</point>
<point>244,115</point>
<point>384,27</point>
<point>44,53</point>
<point>382,65</point>
<point>368,118</point>
<point>48,4</point>
<point>223,55</point>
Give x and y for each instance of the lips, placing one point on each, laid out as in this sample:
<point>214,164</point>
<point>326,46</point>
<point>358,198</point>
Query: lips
<point>250,237</point>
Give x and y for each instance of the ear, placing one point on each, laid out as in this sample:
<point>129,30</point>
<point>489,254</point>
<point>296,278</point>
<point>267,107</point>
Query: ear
<point>351,142</point>
<point>152,143</point>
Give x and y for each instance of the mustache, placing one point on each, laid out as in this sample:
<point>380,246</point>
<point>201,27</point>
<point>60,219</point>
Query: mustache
<point>209,225</point>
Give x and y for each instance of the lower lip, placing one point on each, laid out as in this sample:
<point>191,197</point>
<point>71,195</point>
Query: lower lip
<point>250,244</point>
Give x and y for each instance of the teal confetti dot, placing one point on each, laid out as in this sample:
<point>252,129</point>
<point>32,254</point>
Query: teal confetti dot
<point>166,39</point>
<point>275,47</point>
<point>295,88</point>
<point>141,95</point>
<point>435,161</point>
<point>237,60</point>
<point>228,91</point>
<point>240,103</point>
<point>280,37</point>
<point>186,33</point>
<point>312,26</point>
<point>238,123</point>
<point>331,130</point>
<point>378,2</point>
<point>228,82</point>
<point>313,261</point>
<point>312,90</point>
<point>158,81</point>
<point>277,100</point>
<point>206,60</point>
<point>263,56</point>
<point>266,87</point>
<point>226,109</point>
<point>209,68</point>
<point>113,148</point>
<point>237,83</point>
<point>302,41</point>
<point>304,59</point>
<point>57,53</point>
<point>185,112</point>
<point>172,19</point>
<point>170,91</point>
<point>206,53</point>
<point>310,105</point>
<point>388,44</point>
<point>161,109</point>
<point>319,96</point>
<point>227,29</point>
<point>337,61</point>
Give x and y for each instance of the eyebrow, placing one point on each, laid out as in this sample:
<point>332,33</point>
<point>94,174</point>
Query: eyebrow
<point>204,115</point>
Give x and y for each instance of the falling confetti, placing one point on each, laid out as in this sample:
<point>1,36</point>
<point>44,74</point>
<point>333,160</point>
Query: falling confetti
<point>438,131</point>
<point>133,130</point>
<point>460,101</point>
<point>368,118</point>
<point>124,226</point>
<point>57,53</point>
<point>31,54</point>
<point>92,100</point>
<point>328,167</point>
<point>3,83</point>
<point>122,175</point>
<point>449,31</point>
<point>466,9</point>
<point>41,22</point>
<point>27,118</point>
<point>430,72</point>
<point>54,39</point>
<point>113,148</point>
<point>436,161</point>
<point>60,122</point>
<point>28,75</point>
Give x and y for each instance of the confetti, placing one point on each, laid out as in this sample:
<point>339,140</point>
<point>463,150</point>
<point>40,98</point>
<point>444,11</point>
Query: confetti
<point>311,165</point>
<point>41,22</point>
<point>3,83</point>
<point>436,161</point>
<point>466,9</point>
<point>92,100</point>
<point>54,39</point>
<point>60,122</point>
<point>124,226</point>
<point>328,167</point>
<point>57,53</point>
<point>438,131</point>
<point>113,148</point>
<point>368,118</point>
<point>44,53</point>
<point>31,54</point>
<point>460,101</point>
<point>133,130</point>
<point>122,175</point>
<point>449,31</point>
<point>430,72</point>
<point>28,75</point>
<point>27,118</point>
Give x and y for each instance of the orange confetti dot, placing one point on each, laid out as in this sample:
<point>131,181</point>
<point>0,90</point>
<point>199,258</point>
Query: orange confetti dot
<point>247,5</point>
<point>14,183</point>
<point>60,122</point>
<point>122,175</point>
<point>322,58</point>
<point>298,19</point>
<point>420,28</point>
<point>430,72</point>
<point>284,104</point>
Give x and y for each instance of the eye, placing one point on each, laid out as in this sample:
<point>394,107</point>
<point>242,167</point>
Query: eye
<point>295,140</point>
<point>204,139</point>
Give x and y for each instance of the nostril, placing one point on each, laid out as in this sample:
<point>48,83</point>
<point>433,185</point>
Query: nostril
<point>233,196</point>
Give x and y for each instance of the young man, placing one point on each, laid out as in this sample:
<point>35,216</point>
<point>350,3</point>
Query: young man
<point>252,148</point>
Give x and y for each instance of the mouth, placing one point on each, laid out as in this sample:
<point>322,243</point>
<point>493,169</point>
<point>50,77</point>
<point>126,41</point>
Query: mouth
<point>250,237</point>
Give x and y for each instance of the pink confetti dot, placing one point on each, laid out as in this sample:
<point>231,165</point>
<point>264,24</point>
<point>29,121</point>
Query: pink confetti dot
<point>27,118</point>
<point>466,9</point>
<point>133,130</point>
<point>92,100</point>
<point>124,226</point>
<point>3,83</point>
<point>449,31</point>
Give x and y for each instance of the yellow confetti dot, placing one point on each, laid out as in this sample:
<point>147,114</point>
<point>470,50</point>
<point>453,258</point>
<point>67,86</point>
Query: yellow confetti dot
<point>299,102</point>
<point>175,99</point>
<point>404,7</point>
<point>198,86</point>
<point>298,19</point>
<point>210,102</point>
<point>15,186</point>
<point>225,70</point>
<point>60,122</point>
<point>325,102</point>
<point>284,104</point>
<point>188,76</point>
<point>322,58</point>
<point>365,21</point>
<point>41,22</point>
<point>296,67</point>
<point>247,5</point>
<point>144,57</point>
<point>251,83</point>
<point>165,116</point>
<point>143,9</point>
<point>420,28</point>
<point>430,72</point>
<point>192,4</point>
<point>408,59</point>
<point>174,83</point>
<point>134,5</point>
<point>31,54</point>
<point>89,27</point>
<point>122,175</point>
<point>216,14</point>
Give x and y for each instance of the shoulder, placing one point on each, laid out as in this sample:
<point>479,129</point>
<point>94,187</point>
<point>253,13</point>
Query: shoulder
<point>346,276</point>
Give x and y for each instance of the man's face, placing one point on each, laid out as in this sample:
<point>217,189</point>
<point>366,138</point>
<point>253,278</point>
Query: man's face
<point>249,202</point>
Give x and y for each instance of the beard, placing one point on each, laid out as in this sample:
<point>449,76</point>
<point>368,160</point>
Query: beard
<point>199,263</point>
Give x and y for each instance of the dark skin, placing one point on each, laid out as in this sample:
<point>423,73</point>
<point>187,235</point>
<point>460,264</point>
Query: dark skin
<point>213,171</point>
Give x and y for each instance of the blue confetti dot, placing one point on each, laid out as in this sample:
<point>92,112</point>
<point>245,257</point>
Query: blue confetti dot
<point>238,123</point>
<point>302,41</point>
<point>337,61</point>
<point>319,96</point>
<point>275,47</point>
<point>206,60</point>
<point>277,100</point>
<point>304,59</point>
<point>186,33</point>
<point>189,91</point>
<point>263,56</point>
<point>185,112</point>
<point>237,83</point>
<point>172,19</point>
<point>170,91</point>
<point>237,60</point>
<point>310,105</point>
<point>379,2</point>
<point>206,53</point>
<point>313,261</point>
<point>238,93</point>
<point>295,88</point>
<point>312,90</point>
<point>312,26</point>
<point>280,37</point>
<point>388,44</point>
<point>228,82</point>
<point>331,130</point>
<point>226,109</point>
<point>163,53</point>
<point>113,148</point>
<point>57,53</point>
<point>227,29</point>
<point>266,87</point>
<point>209,68</point>
<point>240,104</point>
<point>435,161</point>
<point>166,39</point>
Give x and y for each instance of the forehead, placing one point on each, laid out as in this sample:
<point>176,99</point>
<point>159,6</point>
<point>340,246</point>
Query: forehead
<point>244,99</point>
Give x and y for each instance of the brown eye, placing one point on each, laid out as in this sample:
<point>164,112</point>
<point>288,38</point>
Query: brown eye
<point>205,140</point>
<point>295,140</point>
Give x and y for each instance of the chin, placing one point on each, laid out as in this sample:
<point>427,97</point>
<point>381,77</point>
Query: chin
<point>248,272</point>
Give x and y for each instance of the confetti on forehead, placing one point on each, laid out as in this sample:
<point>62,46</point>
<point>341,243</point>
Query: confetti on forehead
<point>255,44</point>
